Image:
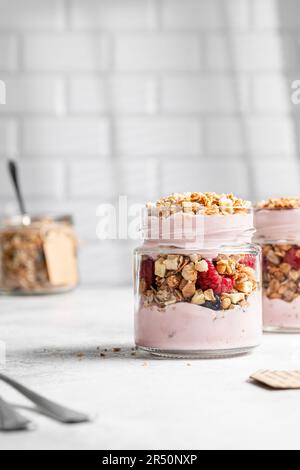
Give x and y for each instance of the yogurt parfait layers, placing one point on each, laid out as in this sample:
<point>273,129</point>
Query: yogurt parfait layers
<point>278,231</point>
<point>197,278</point>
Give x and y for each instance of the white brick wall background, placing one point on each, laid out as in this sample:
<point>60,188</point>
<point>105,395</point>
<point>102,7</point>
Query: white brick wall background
<point>144,97</point>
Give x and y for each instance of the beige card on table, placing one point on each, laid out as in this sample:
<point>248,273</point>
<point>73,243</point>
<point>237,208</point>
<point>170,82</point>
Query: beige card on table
<point>278,380</point>
<point>60,254</point>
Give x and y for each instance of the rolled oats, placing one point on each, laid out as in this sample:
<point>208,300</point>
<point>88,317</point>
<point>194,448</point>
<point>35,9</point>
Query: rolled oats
<point>209,295</point>
<point>201,266</point>
<point>189,290</point>
<point>160,268</point>
<point>189,272</point>
<point>198,298</point>
<point>172,262</point>
<point>173,281</point>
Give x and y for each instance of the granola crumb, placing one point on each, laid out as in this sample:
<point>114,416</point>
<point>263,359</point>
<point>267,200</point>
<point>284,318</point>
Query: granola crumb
<point>102,355</point>
<point>116,349</point>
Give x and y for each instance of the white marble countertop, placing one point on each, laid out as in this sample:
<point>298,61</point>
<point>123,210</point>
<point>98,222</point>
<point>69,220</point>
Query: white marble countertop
<point>139,402</point>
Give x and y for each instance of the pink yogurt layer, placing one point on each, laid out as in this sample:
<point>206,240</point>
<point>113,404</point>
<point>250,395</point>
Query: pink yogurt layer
<point>280,314</point>
<point>281,224</point>
<point>189,327</point>
<point>186,230</point>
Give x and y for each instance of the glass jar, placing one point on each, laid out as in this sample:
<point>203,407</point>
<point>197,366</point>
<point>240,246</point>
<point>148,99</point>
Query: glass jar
<point>198,289</point>
<point>278,232</point>
<point>38,258</point>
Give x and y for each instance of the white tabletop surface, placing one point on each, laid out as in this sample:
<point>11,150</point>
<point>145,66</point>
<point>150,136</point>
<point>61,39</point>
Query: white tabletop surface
<point>53,346</point>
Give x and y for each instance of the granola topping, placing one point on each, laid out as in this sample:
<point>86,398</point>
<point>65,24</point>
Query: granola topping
<point>280,203</point>
<point>200,203</point>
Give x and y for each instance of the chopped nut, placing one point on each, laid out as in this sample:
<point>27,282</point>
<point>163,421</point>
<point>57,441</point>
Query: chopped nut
<point>172,262</point>
<point>250,273</point>
<point>273,258</point>
<point>189,290</point>
<point>235,297</point>
<point>285,268</point>
<point>178,295</point>
<point>294,275</point>
<point>165,297</point>
<point>189,272</point>
<point>289,295</point>
<point>222,266</point>
<point>226,303</point>
<point>183,284</point>
<point>194,258</point>
<point>160,267</point>
<point>174,281</point>
<point>246,287</point>
<point>201,266</point>
<point>199,298</point>
<point>209,295</point>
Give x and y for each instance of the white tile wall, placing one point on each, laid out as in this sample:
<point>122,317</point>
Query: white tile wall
<point>122,94</point>
<point>158,52</point>
<point>66,136</point>
<point>158,137</point>
<point>66,52</point>
<point>31,14</point>
<point>8,137</point>
<point>34,94</point>
<point>143,97</point>
<point>113,14</point>
<point>8,52</point>
<point>198,94</point>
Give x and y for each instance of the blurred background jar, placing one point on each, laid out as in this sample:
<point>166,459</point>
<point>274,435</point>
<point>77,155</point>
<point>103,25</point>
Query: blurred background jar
<point>39,257</point>
<point>278,232</point>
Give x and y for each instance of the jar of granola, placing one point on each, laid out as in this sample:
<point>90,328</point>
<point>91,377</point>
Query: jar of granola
<point>38,258</point>
<point>278,231</point>
<point>197,278</point>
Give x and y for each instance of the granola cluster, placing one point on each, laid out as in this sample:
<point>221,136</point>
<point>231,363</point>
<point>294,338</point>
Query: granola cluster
<point>281,272</point>
<point>280,203</point>
<point>219,284</point>
<point>197,203</point>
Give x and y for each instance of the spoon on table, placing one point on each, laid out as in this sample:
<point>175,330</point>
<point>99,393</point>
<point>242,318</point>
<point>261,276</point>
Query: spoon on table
<point>14,175</point>
<point>49,408</point>
<point>10,419</point>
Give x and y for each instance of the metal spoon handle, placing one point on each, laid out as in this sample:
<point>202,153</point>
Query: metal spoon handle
<point>13,170</point>
<point>10,419</point>
<point>48,407</point>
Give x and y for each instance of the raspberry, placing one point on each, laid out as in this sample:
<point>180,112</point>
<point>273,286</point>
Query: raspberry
<point>249,260</point>
<point>147,271</point>
<point>213,280</point>
<point>227,285</point>
<point>292,258</point>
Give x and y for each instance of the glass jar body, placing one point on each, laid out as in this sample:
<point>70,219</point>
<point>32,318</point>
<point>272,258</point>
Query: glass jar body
<point>281,286</point>
<point>39,258</point>
<point>198,303</point>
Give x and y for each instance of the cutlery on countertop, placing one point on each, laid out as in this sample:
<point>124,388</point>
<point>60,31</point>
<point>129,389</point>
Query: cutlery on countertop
<point>10,419</point>
<point>48,407</point>
<point>14,175</point>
